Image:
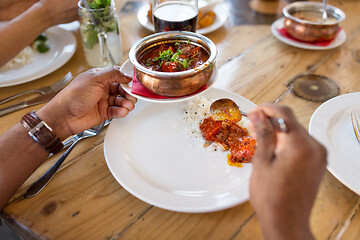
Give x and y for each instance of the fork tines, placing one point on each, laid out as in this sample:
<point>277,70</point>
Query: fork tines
<point>43,90</point>
<point>355,118</point>
<point>63,82</point>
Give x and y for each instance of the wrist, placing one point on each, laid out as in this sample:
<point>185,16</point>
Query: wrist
<point>285,234</point>
<point>42,16</point>
<point>289,229</point>
<point>55,119</point>
<point>41,133</point>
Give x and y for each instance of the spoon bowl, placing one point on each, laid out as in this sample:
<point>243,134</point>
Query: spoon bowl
<point>226,109</point>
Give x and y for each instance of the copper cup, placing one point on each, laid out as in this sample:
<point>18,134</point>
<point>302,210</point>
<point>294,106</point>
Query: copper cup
<point>173,84</point>
<point>303,21</point>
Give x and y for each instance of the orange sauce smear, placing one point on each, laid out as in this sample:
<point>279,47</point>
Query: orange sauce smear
<point>232,138</point>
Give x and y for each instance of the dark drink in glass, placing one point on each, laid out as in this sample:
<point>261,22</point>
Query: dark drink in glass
<point>175,16</point>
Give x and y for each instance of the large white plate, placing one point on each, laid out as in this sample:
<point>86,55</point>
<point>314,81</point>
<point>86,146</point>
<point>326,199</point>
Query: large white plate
<point>151,156</point>
<point>62,48</point>
<point>331,125</point>
<point>279,24</point>
<point>221,11</point>
<point>127,68</point>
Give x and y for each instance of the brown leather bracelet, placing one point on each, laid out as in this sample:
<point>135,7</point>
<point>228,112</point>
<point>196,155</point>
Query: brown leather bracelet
<point>41,133</point>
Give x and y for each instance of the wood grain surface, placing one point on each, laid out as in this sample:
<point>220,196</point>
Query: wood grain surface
<point>84,201</point>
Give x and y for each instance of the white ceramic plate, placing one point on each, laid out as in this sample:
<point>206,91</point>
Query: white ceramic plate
<point>331,125</point>
<point>62,48</point>
<point>150,155</point>
<point>221,11</point>
<point>127,68</point>
<point>279,24</point>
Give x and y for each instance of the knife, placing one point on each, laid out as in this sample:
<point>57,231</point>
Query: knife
<point>25,104</point>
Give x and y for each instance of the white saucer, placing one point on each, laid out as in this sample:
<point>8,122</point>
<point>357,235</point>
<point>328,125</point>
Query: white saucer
<point>279,24</point>
<point>127,68</point>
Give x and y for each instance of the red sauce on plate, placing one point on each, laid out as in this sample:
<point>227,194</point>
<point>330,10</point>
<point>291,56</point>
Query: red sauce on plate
<point>231,137</point>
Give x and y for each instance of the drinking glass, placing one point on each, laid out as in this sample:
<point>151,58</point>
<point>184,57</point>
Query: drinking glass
<point>175,15</point>
<point>100,33</point>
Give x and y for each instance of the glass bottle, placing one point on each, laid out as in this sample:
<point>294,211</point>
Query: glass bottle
<point>100,33</point>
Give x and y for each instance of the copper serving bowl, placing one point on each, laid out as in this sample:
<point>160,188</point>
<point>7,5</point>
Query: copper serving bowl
<point>173,84</point>
<point>303,21</point>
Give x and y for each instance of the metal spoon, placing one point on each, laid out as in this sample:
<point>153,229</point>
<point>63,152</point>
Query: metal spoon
<point>324,14</point>
<point>224,108</point>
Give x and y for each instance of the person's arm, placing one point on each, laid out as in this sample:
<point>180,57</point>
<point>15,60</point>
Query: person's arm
<point>287,170</point>
<point>89,99</point>
<point>10,9</point>
<point>22,30</point>
<point>6,3</point>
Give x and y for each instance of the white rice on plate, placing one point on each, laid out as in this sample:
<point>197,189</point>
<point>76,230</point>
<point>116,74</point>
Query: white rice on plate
<point>194,112</point>
<point>23,58</point>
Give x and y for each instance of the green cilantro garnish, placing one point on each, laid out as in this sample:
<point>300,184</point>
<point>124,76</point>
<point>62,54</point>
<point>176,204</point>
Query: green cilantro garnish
<point>104,19</point>
<point>41,43</point>
<point>164,56</point>
<point>168,56</point>
<point>186,63</point>
<point>147,63</point>
<point>176,55</point>
<point>98,4</point>
<point>210,67</point>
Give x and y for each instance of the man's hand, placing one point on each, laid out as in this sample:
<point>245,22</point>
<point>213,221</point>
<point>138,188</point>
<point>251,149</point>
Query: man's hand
<point>287,170</point>
<point>92,97</point>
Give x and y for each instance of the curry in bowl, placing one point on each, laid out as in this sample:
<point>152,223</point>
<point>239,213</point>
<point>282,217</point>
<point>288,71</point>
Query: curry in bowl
<point>174,64</point>
<point>304,22</point>
<point>174,57</point>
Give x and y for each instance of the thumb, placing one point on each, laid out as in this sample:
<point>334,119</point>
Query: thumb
<point>265,137</point>
<point>120,77</point>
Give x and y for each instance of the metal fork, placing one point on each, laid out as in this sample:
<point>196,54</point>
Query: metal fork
<point>355,118</point>
<point>45,179</point>
<point>67,143</point>
<point>44,90</point>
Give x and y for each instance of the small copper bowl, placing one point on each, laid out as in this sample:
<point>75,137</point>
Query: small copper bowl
<point>173,84</point>
<point>303,21</point>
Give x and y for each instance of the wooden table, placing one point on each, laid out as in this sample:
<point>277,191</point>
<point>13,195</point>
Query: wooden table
<point>84,201</point>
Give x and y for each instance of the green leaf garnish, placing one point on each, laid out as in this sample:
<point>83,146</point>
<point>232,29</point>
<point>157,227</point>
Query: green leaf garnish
<point>41,43</point>
<point>168,56</point>
<point>104,20</point>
